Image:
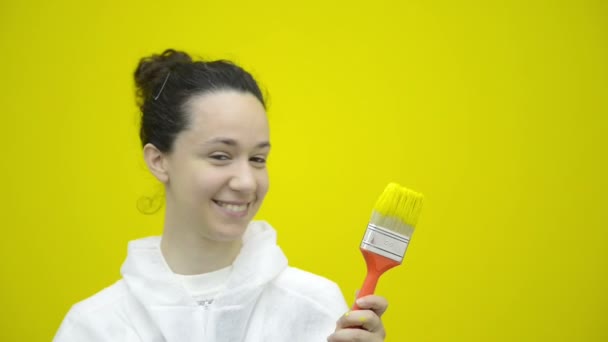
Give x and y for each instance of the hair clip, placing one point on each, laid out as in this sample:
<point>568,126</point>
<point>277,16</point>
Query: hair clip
<point>163,86</point>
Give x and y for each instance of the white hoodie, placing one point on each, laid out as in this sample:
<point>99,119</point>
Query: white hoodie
<point>264,300</point>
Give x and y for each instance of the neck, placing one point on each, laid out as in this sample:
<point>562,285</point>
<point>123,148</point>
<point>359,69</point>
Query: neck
<point>189,254</point>
<point>188,251</point>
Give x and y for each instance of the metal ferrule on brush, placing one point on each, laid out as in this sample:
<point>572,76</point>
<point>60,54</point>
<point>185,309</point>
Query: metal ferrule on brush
<point>385,242</point>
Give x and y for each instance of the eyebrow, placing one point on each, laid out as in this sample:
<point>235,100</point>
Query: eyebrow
<point>232,142</point>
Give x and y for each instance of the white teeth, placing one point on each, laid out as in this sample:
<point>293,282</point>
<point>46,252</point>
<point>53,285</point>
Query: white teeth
<point>233,207</point>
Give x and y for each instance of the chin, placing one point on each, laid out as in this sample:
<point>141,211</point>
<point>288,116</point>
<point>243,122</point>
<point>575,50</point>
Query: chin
<point>228,232</point>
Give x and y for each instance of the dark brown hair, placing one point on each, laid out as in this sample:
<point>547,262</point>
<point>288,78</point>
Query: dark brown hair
<point>166,82</point>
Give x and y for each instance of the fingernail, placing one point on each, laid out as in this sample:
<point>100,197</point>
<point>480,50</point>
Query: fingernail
<point>360,301</point>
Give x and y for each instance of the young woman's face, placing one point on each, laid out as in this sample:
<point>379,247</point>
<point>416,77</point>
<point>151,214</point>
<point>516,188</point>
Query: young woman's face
<point>217,169</point>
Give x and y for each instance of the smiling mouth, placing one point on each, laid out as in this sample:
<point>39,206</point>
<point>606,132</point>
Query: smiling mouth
<point>235,208</point>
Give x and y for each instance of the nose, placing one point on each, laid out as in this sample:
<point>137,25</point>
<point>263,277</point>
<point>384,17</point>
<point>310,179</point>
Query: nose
<point>243,179</point>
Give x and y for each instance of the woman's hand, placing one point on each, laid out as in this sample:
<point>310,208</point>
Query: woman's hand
<point>363,325</point>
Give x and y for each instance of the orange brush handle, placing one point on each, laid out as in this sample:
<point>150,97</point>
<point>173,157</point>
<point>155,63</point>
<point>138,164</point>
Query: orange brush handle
<point>376,266</point>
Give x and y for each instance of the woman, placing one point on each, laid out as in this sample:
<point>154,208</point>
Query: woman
<point>214,275</point>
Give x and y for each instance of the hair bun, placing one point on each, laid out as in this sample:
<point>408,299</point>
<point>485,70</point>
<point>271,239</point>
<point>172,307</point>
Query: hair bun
<point>152,70</point>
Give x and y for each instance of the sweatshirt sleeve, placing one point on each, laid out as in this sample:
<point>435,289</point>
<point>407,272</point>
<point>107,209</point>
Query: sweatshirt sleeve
<point>308,308</point>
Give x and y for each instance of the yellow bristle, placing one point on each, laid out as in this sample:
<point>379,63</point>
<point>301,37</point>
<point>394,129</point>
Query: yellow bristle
<point>398,209</point>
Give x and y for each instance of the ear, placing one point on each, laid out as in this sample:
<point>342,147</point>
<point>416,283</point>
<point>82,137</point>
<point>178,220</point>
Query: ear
<point>156,161</point>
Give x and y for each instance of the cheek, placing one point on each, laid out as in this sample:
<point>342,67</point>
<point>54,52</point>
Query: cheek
<point>209,181</point>
<point>263,183</point>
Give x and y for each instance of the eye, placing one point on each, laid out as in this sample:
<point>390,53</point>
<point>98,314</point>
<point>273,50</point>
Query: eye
<point>258,160</point>
<point>221,157</point>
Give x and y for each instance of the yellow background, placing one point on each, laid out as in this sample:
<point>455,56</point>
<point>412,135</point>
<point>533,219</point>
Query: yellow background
<point>495,110</point>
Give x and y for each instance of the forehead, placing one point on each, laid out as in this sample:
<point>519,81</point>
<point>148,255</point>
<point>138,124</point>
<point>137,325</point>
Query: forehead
<point>232,114</point>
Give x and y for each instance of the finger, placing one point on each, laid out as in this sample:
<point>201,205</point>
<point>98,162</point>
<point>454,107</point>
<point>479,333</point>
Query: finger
<point>375,303</point>
<point>362,319</point>
<point>352,335</point>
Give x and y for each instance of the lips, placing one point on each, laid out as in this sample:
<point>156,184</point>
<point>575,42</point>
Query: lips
<point>233,209</point>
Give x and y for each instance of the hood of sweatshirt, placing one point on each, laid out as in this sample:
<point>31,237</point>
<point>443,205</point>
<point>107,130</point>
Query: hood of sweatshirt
<point>176,315</point>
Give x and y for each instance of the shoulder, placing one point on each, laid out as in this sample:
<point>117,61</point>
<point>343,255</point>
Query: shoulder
<point>98,317</point>
<point>103,300</point>
<point>316,290</point>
